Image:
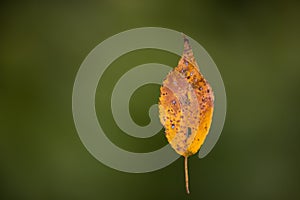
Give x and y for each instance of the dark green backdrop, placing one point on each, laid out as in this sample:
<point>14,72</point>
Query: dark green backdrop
<point>255,45</point>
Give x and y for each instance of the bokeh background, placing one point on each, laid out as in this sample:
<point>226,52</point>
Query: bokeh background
<point>255,45</point>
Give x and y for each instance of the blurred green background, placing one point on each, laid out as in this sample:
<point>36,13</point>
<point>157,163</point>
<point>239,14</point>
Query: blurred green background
<point>255,45</point>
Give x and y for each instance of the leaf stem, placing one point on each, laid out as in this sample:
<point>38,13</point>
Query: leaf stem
<point>186,174</point>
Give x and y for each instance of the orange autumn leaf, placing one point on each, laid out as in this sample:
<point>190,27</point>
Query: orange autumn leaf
<point>186,106</point>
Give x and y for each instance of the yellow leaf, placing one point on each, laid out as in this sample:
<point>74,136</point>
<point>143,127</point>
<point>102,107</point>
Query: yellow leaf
<point>186,106</point>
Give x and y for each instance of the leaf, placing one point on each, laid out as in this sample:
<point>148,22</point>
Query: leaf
<point>186,107</point>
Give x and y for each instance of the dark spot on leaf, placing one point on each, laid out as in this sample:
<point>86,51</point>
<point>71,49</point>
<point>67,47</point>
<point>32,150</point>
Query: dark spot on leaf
<point>189,132</point>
